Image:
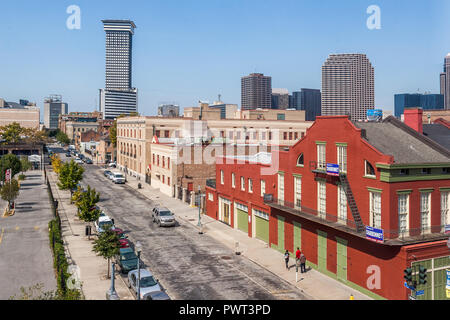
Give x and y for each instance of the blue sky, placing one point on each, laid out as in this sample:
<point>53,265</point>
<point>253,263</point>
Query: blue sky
<point>190,50</point>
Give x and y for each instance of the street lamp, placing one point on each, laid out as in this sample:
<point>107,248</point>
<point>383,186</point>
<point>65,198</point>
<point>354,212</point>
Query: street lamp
<point>199,209</point>
<point>111,294</point>
<point>138,250</point>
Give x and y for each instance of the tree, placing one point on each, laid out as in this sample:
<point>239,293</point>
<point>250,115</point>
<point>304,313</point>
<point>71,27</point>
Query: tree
<point>70,174</point>
<point>107,245</point>
<point>86,203</point>
<point>12,133</point>
<point>25,164</point>
<point>56,163</point>
<point>9,161</point>
<point>10,191</point>
<point>35,136</point>
<point>62,137</point>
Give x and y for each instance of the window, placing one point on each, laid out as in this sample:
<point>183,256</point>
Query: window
<point>375,210</point>
<point>425,212</point>
<point>164,179</point>
<point>242,183</point>
<point>163,161</point>
<point>342,158</point>
<point>300,161</point>
<point>281,116</point>
<point>221,177</point>
<point>263,135</point>
<point>445,170</point>
<point>281,187</point>
<point>210,197</point>
<point>295,135</point>
<point>290,135</point>
<point>168,181</point>
<point>158,133</point>
<point>157,158</point>
<point>250,185</point>
<point>284,135</point>
<point>270,135</point>
<point>298,191</point>
<point>230,135</point>
<point>370,171</point>
<point>342,204</point>
<point>321,157</point>
<point>166,133</point>
<point>153,158</point>
<point>404,172</point>
<point>263,188</point>
<point>445,206</point>
<point>426,171</point>
<point>403,214</point>
<point>168,162</point>
<point>233,180</point>
<point>322,199</point>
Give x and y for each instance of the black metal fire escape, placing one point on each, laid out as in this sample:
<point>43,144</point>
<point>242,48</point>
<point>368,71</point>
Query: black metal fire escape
<point>351,202</point>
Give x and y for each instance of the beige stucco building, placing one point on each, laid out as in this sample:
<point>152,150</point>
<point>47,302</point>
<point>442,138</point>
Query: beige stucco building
<point>27,117</point>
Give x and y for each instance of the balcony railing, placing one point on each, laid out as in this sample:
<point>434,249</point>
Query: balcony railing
<point>397,237</point>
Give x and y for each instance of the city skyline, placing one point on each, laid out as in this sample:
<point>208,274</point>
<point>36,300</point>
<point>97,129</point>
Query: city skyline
<point>215,58</point>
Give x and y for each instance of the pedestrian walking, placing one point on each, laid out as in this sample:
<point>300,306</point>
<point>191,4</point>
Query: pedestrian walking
<point>302,263</point>
<point>286,259</point>
<point>297,254</point>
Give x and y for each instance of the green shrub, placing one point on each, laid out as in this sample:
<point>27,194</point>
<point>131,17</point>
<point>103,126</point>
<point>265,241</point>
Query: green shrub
<point>21,177</point>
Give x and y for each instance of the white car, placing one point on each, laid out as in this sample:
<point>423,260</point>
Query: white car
<point>147,282</point>
<point>118,177</point>
<point>102,223</point>
<point>78,160</point>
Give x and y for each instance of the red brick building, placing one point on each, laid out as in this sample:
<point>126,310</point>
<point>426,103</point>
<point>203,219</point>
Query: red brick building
<point>340,182</point>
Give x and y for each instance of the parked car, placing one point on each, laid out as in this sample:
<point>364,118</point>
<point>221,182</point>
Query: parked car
<point>125,243</point>
<point>118,178</point>
<point>127,260</point>
<point>68,155</point>
<point>112,165</point>
<point>163,217</point>
<point>156,295</point>
<point>147,282</point>
<point>106,173</point>
<point>78,160</point>
<point>88,161</point>
<point>102,223</point>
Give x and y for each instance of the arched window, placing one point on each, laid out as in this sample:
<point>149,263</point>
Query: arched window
<point>300,160</point>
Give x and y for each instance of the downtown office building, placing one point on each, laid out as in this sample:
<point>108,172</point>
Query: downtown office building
<point>347,86</point>
<point>445,82</point>
<point>118,97</point>
<point>256,92</point>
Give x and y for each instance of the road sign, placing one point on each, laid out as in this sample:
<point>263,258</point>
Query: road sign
<point>8,175</point>
<point>420,293</point>
<point>406,285</point>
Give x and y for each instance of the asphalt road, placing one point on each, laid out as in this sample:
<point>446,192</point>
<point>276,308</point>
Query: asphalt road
<point>188,265</point>
<point>25,255</point>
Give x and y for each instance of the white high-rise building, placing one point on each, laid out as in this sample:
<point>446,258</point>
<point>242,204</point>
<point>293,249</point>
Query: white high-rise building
<point>118,97</point>
<point>347,86</point>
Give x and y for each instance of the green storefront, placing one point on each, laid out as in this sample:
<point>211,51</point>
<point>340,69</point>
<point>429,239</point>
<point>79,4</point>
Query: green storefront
<point>435,288</point>
<point>242,217</point>
<point>261,225</point>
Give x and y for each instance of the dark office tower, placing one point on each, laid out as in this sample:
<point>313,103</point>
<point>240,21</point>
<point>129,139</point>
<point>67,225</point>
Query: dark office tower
<point>256,91</point>
<point>445,82</point>
<point>417,100</point>
<point>280,99</point>
<point>118,97</point>
<point>308,100</point>
<point>348,86</point>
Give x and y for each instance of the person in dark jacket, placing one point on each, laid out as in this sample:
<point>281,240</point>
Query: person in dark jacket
<point>286,259</point>
<point>302,263</point>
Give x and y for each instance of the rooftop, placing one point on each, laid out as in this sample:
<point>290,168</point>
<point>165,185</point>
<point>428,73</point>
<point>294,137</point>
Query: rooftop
<point>392,137</point>
<point>438,133</point>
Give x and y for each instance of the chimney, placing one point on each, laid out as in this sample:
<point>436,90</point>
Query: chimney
<point>413,118</point>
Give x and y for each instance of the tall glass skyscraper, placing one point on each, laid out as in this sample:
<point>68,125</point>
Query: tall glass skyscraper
<point>308,100</point>
<point>417,100</point>
<point>119,96</point>
<point>445,82</point>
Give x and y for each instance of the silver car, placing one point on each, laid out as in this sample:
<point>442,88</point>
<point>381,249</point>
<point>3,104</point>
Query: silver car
<point>147,282</point>
<point>163,217</point>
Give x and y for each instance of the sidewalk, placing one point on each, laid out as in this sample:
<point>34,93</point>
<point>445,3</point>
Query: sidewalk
<point>92,268</point>
<point>313,283</point>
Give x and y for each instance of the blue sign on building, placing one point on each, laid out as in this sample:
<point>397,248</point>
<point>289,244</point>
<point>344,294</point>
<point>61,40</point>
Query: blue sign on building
<point>333,169</point>
<point>374,234</point>
<point>420,293</point>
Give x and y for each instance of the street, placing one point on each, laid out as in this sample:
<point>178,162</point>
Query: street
<point>189,266</point>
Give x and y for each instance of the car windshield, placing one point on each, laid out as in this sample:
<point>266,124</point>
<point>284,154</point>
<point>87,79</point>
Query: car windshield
<point>147,282</point>
<point>128,256</point>
<point>165,213</point>
<point>105,224</point>
<point>119,175</point>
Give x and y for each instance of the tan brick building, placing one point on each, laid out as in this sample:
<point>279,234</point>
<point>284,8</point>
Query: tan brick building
<point>27,117</point>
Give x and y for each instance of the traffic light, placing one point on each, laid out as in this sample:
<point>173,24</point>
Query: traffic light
<point>422,275</point>
<point>408,275</point>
